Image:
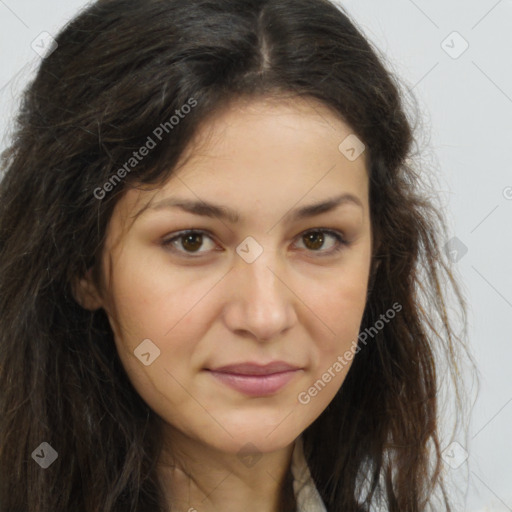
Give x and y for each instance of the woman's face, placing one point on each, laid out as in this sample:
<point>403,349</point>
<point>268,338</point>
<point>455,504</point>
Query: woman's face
<point>247,319</point>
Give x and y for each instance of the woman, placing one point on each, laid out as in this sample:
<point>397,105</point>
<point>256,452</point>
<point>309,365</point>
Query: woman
<point>214,260</point>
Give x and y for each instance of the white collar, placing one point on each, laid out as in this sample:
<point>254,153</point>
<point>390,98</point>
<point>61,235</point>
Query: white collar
<point>306,494</point>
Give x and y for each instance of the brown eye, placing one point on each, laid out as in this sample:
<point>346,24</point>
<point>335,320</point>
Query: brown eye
<point>191,242</point>
<point>314,241</point>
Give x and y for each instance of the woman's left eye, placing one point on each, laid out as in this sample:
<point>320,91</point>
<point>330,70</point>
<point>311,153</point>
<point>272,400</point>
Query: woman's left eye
<point>314,239</point>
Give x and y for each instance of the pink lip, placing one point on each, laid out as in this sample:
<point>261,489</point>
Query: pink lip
<point>254,379</point>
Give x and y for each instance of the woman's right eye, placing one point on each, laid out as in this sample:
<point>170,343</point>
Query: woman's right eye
<point>191,241</point>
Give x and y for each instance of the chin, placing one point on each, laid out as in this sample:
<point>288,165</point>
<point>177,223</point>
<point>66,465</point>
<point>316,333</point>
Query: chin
<point>253,443</point>
<point>257,432</point>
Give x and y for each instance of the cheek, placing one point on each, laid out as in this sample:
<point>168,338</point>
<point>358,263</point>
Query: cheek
<point>338,304</point>
<point>347,309</point>
<point>335,352</point>
<point>150,301</point>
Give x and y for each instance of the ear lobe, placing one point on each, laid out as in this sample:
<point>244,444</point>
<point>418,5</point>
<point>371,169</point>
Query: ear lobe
<point>86,293</point>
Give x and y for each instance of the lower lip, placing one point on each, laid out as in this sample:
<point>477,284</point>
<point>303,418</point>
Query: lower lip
<point>256,385</point>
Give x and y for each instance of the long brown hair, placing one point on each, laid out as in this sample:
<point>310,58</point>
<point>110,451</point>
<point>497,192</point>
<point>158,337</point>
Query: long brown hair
<point>123,68</point>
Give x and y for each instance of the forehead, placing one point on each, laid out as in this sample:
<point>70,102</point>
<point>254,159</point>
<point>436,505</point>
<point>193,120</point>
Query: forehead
<point>260,125</point>
<point>268,152</point>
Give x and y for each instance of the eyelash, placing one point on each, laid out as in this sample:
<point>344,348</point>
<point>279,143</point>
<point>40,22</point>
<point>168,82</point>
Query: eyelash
<point>341,242</point>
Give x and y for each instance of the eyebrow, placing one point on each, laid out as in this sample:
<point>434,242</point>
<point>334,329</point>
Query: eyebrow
<point>217,211</point>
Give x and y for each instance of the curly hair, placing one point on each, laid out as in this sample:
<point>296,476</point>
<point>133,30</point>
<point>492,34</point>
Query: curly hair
<point>121,68</point>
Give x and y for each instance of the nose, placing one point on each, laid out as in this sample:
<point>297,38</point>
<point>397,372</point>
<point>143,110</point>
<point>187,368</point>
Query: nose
<point>262,305</point>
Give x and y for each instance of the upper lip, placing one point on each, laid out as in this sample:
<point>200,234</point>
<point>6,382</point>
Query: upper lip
<point>255,368</point>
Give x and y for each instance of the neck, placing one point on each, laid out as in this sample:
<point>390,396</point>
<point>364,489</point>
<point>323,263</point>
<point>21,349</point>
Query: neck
<point>197,477</point>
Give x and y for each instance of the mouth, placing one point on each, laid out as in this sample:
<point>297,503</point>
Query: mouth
<point>254,379</point>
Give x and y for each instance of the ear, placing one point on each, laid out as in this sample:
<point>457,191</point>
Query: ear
<point>86,292</point>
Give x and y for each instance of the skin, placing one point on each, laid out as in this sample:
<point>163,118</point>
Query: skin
<point>204,309</point>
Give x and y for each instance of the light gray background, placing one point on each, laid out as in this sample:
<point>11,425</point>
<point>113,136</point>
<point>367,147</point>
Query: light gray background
<point>467,107</point>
